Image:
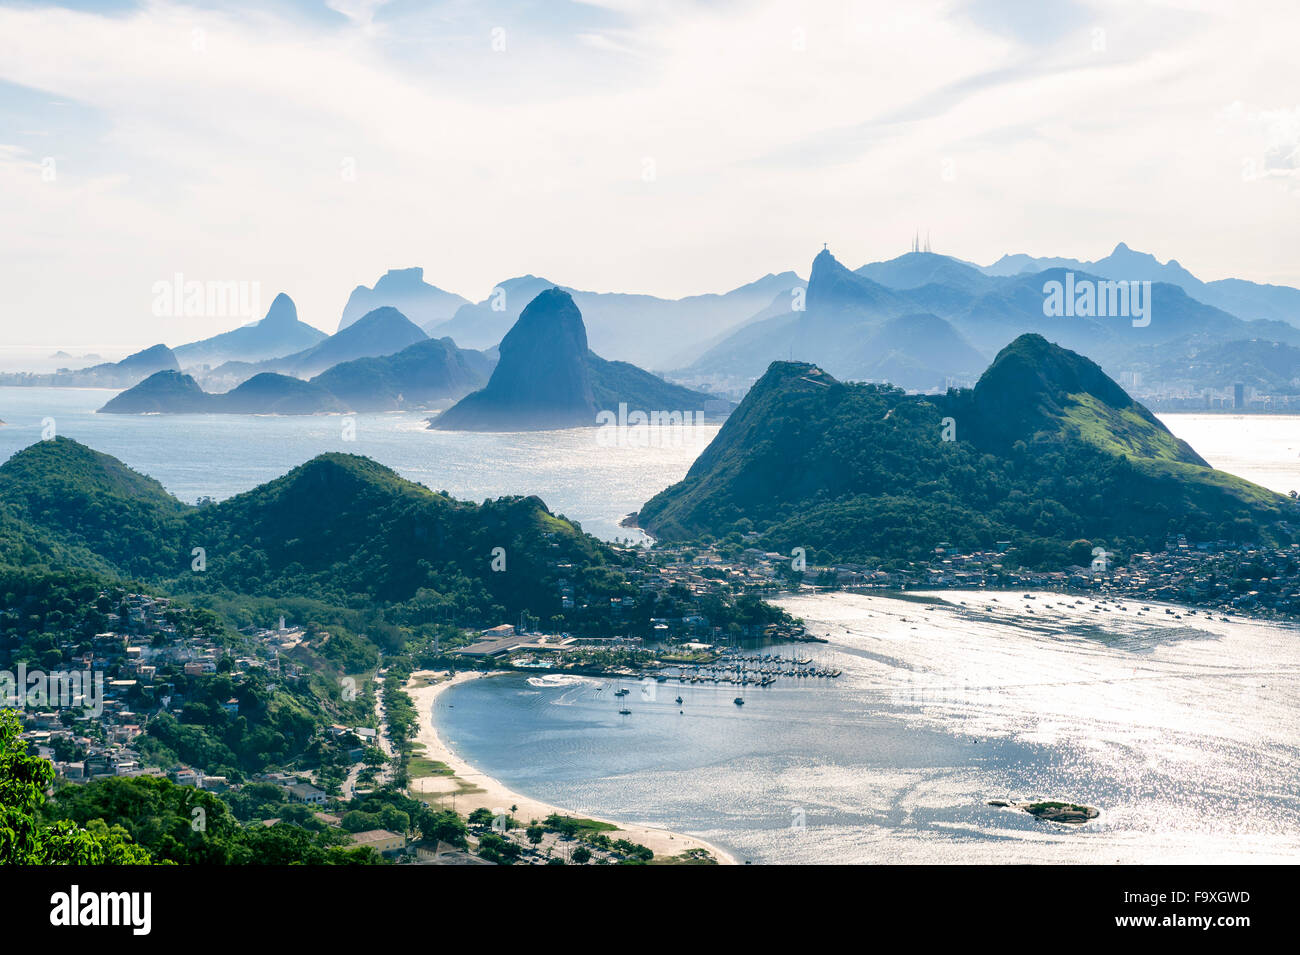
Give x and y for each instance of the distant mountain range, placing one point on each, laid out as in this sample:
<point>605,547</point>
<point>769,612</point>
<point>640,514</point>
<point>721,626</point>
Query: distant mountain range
<point>653,332</point>
<point>405,290</point>
<point>421,375</point>
<point>279,333</point>
<point>1266,366</point>
<point>547,378</point>
<point>926,321</point>
<point>922,320</point>
<point>114,374</point>
<point>1046,452</point>
<point>383,331</point>
<point>1248,300</point>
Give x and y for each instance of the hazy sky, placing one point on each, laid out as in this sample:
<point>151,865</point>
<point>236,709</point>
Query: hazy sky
<point>618,145</point>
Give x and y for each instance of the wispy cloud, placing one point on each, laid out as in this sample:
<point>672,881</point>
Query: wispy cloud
<point>663,147</point>
<point>360,12</point>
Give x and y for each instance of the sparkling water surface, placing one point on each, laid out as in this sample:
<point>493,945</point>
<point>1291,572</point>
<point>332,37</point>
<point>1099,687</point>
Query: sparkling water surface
<point>1184,733</point>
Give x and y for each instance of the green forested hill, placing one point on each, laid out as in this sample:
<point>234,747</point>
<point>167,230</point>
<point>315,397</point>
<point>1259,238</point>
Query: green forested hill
<point>347,529</point>
<point>1047,450</point>
<point>69,504</point>
<point>1036,388</point>
<point>339,528</point>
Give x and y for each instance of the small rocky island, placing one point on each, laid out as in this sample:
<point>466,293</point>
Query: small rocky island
<point>1069,813</point>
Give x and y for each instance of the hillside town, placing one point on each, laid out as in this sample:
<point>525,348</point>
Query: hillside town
<point>147,668</point>
<point>1219,574</point>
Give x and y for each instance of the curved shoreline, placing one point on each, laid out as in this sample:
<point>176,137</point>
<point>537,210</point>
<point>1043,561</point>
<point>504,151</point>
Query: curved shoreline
<point>469,788</point>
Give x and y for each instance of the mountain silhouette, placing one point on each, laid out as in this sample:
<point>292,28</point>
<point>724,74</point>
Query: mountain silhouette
<point>547,378</point>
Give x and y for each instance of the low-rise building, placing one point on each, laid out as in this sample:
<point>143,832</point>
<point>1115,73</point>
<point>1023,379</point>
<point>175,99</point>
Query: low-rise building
<point>307,793</point>
<point>381,840</point>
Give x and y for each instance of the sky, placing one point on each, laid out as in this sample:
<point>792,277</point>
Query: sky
<point>663,147</point>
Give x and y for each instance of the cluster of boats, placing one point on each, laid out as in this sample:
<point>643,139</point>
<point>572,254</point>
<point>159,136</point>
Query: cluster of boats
<point>1104,606</point>
<point>738,669</point>
<point>750,670</point>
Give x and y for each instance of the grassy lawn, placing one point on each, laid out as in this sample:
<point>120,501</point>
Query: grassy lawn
<point>582,827</point>
<point>421,766</point>
<point>445,800</point>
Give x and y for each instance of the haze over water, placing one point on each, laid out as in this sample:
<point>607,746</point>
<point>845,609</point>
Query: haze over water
<point>594,484</point>
<point>218,456</point>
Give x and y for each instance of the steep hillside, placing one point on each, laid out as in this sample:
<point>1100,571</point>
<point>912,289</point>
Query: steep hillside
<point>1047,450</point>
<point>164,392</point>
<point>1036,387</point>
<point>339,528</point>
<point>383,331</point>
<point>278,333</point>
<point>418,376</point>
<point>408,292</point>
<point>547,378</point>
<point>91,504</point>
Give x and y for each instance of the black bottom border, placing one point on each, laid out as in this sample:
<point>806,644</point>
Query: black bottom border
<point>333,906</point>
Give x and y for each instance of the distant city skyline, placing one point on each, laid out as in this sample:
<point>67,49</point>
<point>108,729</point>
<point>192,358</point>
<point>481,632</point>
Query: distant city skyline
<point>615,145</point>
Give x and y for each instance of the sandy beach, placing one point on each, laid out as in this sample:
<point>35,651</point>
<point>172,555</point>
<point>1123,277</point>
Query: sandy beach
<point>474,790</point>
